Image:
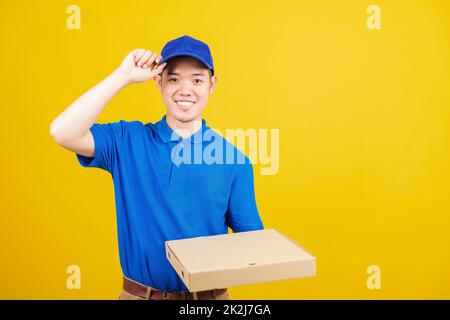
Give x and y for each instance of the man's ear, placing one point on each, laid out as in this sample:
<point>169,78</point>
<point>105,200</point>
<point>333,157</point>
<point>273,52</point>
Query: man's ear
<point>158,81</point>
<point>213,84</point>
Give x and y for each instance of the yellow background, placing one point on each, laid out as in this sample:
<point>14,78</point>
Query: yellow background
<point>364,137</point>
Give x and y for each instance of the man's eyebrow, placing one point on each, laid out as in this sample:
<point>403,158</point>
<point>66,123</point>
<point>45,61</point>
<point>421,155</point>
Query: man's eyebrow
<point>194,74</point>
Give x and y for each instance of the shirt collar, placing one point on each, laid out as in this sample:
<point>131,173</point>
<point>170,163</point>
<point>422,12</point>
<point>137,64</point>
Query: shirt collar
<point>167,134</point>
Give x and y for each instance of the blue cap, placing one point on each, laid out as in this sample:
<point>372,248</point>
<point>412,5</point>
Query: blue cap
<point>188,46</point>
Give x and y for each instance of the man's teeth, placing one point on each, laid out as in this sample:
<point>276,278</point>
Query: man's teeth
<point>185,103</point>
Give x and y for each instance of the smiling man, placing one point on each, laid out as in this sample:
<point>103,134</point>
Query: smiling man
<point>157,198</point>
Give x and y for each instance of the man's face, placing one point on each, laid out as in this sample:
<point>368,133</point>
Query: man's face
<point>185,86</point>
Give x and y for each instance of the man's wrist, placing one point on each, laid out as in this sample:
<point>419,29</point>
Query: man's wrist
<point>121,79</point>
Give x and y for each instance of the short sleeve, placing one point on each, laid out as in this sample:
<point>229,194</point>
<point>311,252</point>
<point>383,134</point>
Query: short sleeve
<point>108,140</point>
<point>242,213</point>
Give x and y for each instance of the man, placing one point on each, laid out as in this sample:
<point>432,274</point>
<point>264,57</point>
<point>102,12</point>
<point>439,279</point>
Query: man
<point>173,179</point>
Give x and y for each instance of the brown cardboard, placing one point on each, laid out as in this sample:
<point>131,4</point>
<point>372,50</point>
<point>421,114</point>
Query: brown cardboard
<point>234,259</point>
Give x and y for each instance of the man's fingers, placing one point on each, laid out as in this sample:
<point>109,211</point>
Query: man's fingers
<point>137,54</point>
<point>150,61</point>
<point>159,69</point>
<point>157,60</point>
<point>143,55</point>
<point>144,58</point>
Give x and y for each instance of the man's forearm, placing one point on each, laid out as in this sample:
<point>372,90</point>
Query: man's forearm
<point>77,119</point>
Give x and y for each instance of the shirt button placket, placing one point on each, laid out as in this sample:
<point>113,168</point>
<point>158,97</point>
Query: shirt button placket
<point>177,165</point>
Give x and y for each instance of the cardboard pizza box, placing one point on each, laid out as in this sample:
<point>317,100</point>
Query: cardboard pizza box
<point>235,259</point>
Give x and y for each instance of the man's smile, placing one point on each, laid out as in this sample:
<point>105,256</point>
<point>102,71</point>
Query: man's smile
<point>184,104</point>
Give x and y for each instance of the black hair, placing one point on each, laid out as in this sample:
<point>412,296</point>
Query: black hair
<point>172,62</point>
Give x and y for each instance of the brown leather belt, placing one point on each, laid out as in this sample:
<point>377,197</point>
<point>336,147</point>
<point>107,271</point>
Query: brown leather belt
<point>149,293</point>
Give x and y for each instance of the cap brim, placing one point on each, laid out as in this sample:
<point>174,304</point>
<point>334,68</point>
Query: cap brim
<point>186,54</point>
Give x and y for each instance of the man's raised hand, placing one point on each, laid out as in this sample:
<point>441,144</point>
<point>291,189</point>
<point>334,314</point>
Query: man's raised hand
<point>141,65</point>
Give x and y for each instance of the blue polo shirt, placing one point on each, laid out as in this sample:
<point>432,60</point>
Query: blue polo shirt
<point>168,188</point>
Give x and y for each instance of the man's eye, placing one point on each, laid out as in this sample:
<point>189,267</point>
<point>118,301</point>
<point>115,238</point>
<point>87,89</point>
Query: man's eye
<point>198,81</point>
<point>172,79</point>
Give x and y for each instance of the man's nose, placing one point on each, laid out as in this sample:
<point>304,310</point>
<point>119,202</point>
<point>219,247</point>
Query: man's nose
<point>185,87</point>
